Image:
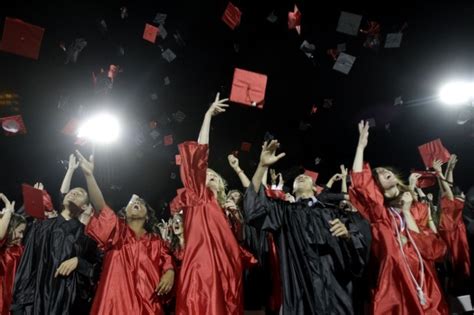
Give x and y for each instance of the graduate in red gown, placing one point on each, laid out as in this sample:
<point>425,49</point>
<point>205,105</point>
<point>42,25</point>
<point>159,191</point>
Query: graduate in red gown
<point>138,268</point>
<point>403,251</point>
<point>12,227</point>
<point>210,280</point>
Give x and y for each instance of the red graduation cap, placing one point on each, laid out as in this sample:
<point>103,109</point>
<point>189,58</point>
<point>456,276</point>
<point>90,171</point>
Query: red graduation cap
<point>231,16</point>
<point>21,38</point>
<point>248,88</point>
<point>71,127</point>
<point>433,150</point>
<point>311,174</point>
<point>177,159</point>
<point>33,200</point>
<point>294,20</point>
<point>245,146</point>
<point>168,140</point>
<point>150,33</point>
<point>319,189</point>
<point>13,125</point>
<point>314,109</point>
<point>427,179</point>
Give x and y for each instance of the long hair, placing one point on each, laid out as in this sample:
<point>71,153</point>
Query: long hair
<point>402,187</point>
<point>241,201</point>
<point>221,194</point>
<point>174,242</point>
<point>15,221</point>
<point>151,224</point>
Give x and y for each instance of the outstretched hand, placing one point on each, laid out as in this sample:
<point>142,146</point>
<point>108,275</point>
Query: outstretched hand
<point>268,156</point>
<point>73,163</point>
<point>413,180</point>
<point>363,134</point>
<point>9,206</point>
<point>218,106</point>
<point>438,166</point>
<point>87,166</point>
<point>166,283</point>
<point>233,161</point>
<point>344,171</point>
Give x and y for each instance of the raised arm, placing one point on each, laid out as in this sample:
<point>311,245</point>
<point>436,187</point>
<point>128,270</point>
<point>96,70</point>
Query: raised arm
<point>453,159</point>
<point>335,178</point>
<point>216,108</point>
<point>95,195</point>
<point>358,164</point>
<point>344,179</point>
<point>6,215</point>
<point>234,163</point>
<point>268,157</point>
<point>437,166</point>
<point>73,164</point>
<point>407,200</point>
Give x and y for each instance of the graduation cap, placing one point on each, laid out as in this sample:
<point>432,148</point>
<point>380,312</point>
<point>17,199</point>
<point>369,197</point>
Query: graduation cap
<point>160,18</point>
<point>272,18</point>
<point>333,53</point>
<point>349,23</point>
<point>294,19</point>
<point>179,40</point>
<point>75,49</point>
<point>123,13</point>
<point>248,88</point>
<point>308,48</point>
<point>177,159</point>
<point>393,40</point>
<point>314,110</point>
<point>13,125</point>
<point>150,33</point>
<point>398,101</point>
<point>168,55</point>
<point>327,103</point>
<point>317,160</point>
<point>103,29</point>
<point>162,31</point>
<point>433,150</point>
<point>427,179</point>
<point>344,63</point>
<point>313,175</point>
<point>33,200</point>
<point>179,116</point>
<point>168,140</point>
<point>21,38</point>
<point>245,146</point>
<point>173,175</point>
<point>232,16</point>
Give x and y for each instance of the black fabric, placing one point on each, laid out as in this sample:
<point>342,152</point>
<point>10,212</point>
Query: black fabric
<point>468,217</point>
<point>48,244</point>
<point>316,268</point>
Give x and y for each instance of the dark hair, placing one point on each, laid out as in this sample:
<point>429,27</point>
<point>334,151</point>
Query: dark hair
<point>151,224</point>
<point>15,221</point>
<point>241,197</point>
<point>402,187</point>
<point>174,242</point>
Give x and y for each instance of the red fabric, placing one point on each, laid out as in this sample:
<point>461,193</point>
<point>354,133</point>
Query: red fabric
<point>275,194</point>
<point>427,179</point>
<point>294,20</point>
<point>132,267</point>
<point>245,146</point>
<point>21,38</point>
<point>9,260</point>
<point>453,232</point>
<point>13,125</point>
<point>33,200</point>
<point>396,292</point>
<point>210,280</point>
<point>231,16</point>
<point>47,201</point>
<point>168,140</point>
<point>248,88</point>
<point>276,297</point>
<point>433,150</point>
<point>313,175</point>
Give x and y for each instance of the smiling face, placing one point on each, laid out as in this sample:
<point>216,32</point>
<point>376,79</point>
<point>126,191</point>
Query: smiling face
<point>77,196</point>
<point>386,178</point>
<point>136,209</point>
<point>303,184</point>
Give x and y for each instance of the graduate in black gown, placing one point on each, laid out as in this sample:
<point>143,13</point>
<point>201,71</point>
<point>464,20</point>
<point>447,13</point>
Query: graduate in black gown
<point>318,255</point>
<point>59,266</point>
<point>468,217</point>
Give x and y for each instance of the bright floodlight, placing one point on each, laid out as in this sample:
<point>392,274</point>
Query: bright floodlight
<point>103,128</point>
<point>456,93</point>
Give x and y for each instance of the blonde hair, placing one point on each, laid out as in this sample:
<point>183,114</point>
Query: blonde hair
<point>402,187</point>
<point>221,189</point>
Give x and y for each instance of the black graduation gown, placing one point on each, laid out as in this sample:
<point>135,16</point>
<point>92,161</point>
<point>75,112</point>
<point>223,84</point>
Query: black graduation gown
<point>316,268</point>
<point>468,217</point>
<point>47,245</point>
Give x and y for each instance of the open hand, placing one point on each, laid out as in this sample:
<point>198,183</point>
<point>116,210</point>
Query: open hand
<point>339,229</point>
<point>166,283</point>
<point>363,134</point>
<point>73,163</point>
<point>9,206</point>
<point>438,166</point>
<point>67,267</point>
<point>268,156</point>
<point>218,106</point>
<point>233,161</point>
<point>87,166</point>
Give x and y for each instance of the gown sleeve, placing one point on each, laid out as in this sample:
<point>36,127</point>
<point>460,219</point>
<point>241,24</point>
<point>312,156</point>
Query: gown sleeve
<point>431,247</point>
<point>453,232</point>
<point>166,258</point>
<point>104,228</point>
<point>194,159</point>
<point>366,196</point>
<point>420,214</point>
<point>262,212</point>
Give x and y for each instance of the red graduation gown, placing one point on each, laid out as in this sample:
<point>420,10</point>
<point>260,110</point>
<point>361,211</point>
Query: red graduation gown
<point>131,270</point>
<point>395,292</point>
<point>453,232</point>
<point>210,280</point>
<point>9,259</point>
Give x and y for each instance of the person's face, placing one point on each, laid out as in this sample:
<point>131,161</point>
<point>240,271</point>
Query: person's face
<point>213,181</point>
<point>303,184</point>
<point>177,225</point>
<point>18,234</point>
<point>77,196</point>
<point>136,208</point>
<point>235,197</point>
<point>386,178</point>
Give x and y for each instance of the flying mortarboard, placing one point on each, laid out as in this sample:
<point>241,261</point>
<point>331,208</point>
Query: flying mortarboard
<point>248,88</point>
<point>150,33</point>
<point>21,38</point>
<point>344,63</point>
<point>168,55</point>
<point>433,150</point>
<point>13,125</point>
<point>349,23</point>
<point>168,140</point>
<point>231,16</point>
<point>160,18</point>
<point>294,20</point>
<point>33,200</point>
<point>393,40</point>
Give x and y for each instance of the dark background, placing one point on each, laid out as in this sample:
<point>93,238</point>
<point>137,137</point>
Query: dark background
<point>437,45</point>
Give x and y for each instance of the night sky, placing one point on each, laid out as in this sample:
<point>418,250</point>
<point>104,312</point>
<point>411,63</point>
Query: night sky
<point>437,45</point>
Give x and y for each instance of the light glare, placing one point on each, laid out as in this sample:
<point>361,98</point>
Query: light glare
<point>456,93</point>
<point>103,128</point>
